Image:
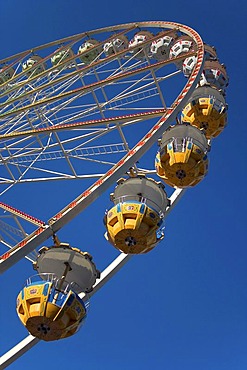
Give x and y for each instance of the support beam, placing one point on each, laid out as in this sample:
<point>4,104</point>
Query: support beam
<point>30,341</point>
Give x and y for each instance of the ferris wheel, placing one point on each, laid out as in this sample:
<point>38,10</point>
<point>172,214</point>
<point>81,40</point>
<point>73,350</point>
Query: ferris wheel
<point>94,107</point>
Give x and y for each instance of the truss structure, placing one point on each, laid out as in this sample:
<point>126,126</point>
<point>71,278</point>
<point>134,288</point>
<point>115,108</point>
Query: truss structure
<point>87,122</point>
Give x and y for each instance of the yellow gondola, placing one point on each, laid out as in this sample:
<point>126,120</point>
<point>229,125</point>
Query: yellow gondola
<point>182,160</point>
<point>206,109</point>
<point>49,311</point>
<point>134,221</point>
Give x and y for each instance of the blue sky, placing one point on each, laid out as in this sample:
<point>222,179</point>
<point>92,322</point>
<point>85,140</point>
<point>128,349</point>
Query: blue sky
<point>184,305</point>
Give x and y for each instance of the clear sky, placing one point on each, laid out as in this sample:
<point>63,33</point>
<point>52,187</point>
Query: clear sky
<point>183,306</point>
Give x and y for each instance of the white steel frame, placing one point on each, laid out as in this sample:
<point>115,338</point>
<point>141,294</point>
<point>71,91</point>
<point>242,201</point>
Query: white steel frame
<point>34,113</point>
